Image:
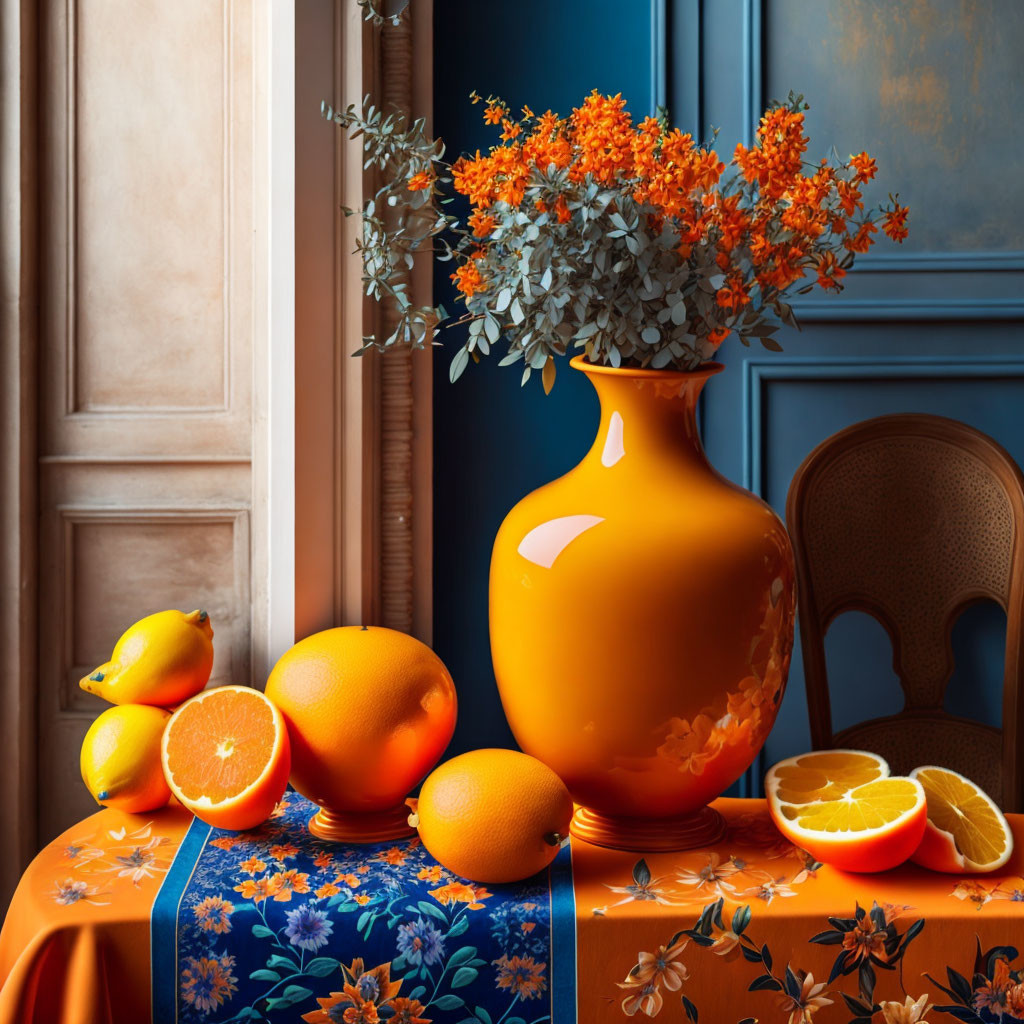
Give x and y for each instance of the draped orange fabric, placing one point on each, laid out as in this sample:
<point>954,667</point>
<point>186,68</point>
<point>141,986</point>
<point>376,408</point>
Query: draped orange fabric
<point>655,933</point>
<point>75,944</point>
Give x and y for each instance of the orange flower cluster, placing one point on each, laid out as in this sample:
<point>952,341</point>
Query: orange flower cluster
<point>602,131</point>
<point>865,167</point>
<point>278,887</point>
<point>775,162</point>
<point>459,892</point>
<point>481,224</point>
<point>765,227</point>
<point>666,170</point>
<point>468,279</point>
<point>678,176</point>
<point>547,144</point>
<point>420,181</point>
<point>829,271</point>
<point>895,225</point>
<point>812,210</point>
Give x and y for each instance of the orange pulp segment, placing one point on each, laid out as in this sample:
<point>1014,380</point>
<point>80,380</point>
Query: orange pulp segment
<point>827,775</point>
<point>843,807</point>
<point>966,831</point>
<point>873,805</point>
<point>226,756</point>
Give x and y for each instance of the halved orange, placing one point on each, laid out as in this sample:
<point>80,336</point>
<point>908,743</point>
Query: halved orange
<point>226,756</point>
<point>845,809</point>
<point>966,832</point>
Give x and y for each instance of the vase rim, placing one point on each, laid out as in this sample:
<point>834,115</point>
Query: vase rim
<point>702,372</point>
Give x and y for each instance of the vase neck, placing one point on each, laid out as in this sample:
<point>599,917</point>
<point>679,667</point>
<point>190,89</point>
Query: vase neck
<point>647,415</point>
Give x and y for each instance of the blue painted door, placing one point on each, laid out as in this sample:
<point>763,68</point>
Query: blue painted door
<point>933,90</point>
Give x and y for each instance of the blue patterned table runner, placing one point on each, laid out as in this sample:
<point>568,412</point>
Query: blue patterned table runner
<point>277,925</point>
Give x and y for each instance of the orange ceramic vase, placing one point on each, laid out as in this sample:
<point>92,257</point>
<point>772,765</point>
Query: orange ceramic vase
<point>641,612</point>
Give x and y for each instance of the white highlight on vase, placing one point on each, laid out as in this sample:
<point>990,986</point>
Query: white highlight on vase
<point>613,446</point>
<point>544,543</point>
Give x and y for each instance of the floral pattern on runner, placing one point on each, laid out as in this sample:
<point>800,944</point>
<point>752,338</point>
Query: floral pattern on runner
<point>278,925</point>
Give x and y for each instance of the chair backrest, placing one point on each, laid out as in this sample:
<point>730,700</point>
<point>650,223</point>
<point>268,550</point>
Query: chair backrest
<point>911,518</point>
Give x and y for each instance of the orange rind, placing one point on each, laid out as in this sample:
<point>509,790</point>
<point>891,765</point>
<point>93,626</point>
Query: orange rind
<point>845,809</point>
<point>966,832</point>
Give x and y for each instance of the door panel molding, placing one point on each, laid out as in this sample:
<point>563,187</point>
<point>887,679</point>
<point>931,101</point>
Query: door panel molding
<point>941,262</point>
<point>170,280</point>
<point>757,64</point>
<point>230,632</point>
<point>873,308</point>
<point>696,27</point>
<point>75,405</point>
<point>759,374</point>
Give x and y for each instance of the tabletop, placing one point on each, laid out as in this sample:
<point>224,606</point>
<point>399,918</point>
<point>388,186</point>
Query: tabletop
<point>129,918</point>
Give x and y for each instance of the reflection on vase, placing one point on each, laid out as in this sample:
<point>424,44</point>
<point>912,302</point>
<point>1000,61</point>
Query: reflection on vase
<point>642,619</point>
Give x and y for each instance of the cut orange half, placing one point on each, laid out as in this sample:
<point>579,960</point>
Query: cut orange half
<point>845,809</point>
<point>226,756</point>
<point>966,832</point>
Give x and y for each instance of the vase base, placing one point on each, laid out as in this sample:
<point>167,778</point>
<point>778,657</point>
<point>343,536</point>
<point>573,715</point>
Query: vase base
<point>649,835</point>
<point>371,827</point>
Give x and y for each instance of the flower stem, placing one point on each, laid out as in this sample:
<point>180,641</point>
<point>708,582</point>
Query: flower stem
<point>508,1011</point>
<point>437,985</point>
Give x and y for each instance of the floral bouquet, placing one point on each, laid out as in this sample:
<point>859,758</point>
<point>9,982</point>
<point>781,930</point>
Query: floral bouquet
<point>630,242</point>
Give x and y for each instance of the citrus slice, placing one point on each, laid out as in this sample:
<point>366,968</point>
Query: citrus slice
<point>844,808</point>
<point>226,756</point>
<point>966,832</point>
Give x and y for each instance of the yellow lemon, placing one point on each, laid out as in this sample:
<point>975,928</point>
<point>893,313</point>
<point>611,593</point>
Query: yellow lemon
<point>121,758</point>
<point>162,660</point>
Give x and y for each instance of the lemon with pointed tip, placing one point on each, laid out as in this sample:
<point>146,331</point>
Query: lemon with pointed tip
<point>162,660</point>
<point>120,761</point>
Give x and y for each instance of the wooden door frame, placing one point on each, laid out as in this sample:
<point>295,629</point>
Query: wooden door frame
<point>273,465</point>
<point>363,542</point>
<point>18,503</point>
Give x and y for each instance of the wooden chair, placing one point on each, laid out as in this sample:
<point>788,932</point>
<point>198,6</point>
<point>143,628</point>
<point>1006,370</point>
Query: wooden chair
<point>911,518</point>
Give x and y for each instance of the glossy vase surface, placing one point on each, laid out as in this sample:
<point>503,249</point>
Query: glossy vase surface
<point>641,612</point>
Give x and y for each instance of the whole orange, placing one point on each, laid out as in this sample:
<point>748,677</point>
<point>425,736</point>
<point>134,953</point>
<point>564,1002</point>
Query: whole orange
<point>369,711</point>
<point>493,815</point>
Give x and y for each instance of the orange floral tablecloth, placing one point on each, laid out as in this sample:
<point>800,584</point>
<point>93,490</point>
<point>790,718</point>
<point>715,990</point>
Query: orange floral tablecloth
<point>752,929</point>
<point>75,944</point>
